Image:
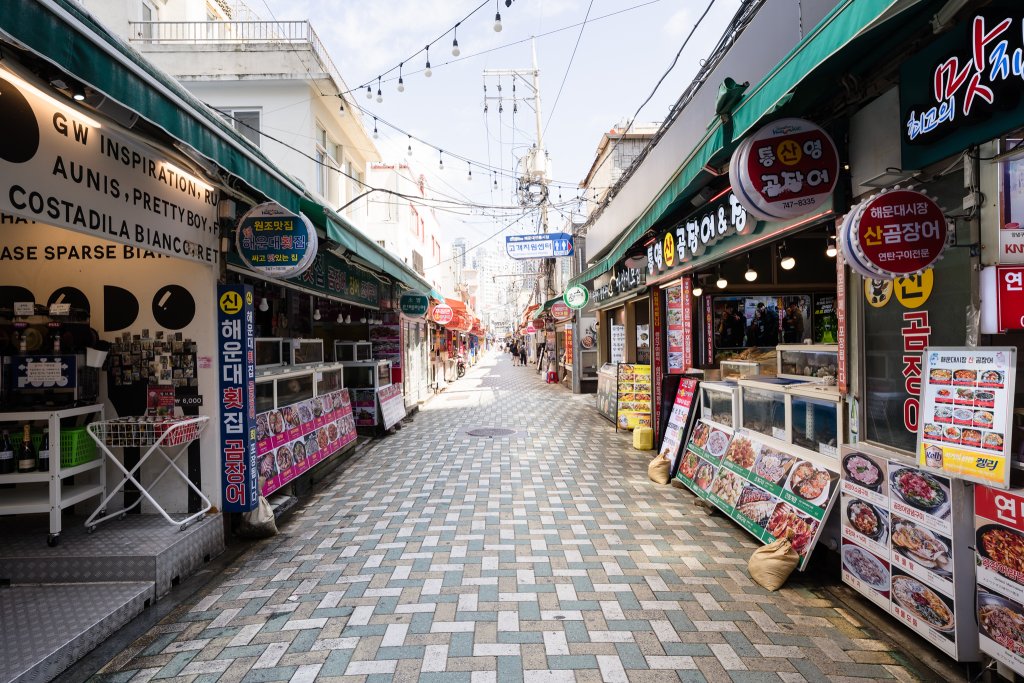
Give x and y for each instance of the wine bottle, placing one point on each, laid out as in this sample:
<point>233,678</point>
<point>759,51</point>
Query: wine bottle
<point>6,454</point>
<point>43,459</point>
<point>26,454</point>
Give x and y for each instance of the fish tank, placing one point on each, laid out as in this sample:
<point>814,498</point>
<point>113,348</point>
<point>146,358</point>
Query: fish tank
<point>810,362</point>
<point>719,402</point>
<point>818,423</point>
<point>737,369</point>
<point>764,410</point>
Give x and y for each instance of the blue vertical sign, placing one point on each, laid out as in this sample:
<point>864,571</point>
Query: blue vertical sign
<point>237,397</point>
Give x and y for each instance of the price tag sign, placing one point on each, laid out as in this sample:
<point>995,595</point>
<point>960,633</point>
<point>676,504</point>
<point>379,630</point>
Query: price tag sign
<point>60,309</point>
<point>24,308</point>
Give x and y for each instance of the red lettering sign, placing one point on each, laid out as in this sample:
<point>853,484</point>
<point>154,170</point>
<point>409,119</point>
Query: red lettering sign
<point>897,233</point>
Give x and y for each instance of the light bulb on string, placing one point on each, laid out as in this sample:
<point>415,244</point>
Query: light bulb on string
<point>698,290</point>
<point>787,261</point>
<point>469,175</point>
<point>316,314</point>
<point>427,72</point>
<point>401,83</point>
<point>830,246</point>
<point>341,106</point>
<point>495,180</point>
<point>722,283</point>
<point>380,96</point>
<point>440,159</point>
<point>409,151</point>
<point>751,274</point>
<point>455,42</point>
<point>369,92</point>
<point>497,22</point>
<point>341,318</point>
<point>375,134</point>
<point>264,306</point>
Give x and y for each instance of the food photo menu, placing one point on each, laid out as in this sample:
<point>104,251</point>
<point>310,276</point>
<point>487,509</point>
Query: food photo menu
<point>966,413</point>
<point>766,491</point>
<point>899,523</point>
<point>999,562</point>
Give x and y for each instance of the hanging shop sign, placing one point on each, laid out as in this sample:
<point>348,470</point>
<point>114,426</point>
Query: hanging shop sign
<point>334,277</point>
<point>548,245</point>
<point>530,329</point>
<point>275,242</point>
<point>560,311</point>
<point>966,413</point>
<point>999,554</point>
<point>63,168</point>
<point>414,304</point>
<point>621,280</point>
<point>703,228</point>
<point>576,297</point>
<point>896,233</point>
<point>785,170</point>
<point>442,314</point>
<point>1002,299</point>
<point>235,341</point>
<point>964,88</point>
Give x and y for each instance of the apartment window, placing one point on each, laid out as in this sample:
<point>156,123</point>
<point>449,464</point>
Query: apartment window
<point>326,166</point>
<point>245,121</point>
<point>417,262</point>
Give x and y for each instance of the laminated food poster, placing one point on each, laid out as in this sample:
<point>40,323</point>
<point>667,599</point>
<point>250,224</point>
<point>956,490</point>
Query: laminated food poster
<point>965,423</point>
<point>898,549</point>
<point>999,560</point>
<point>679,421</point>
<point>767,492</point>
<point>634,396</point>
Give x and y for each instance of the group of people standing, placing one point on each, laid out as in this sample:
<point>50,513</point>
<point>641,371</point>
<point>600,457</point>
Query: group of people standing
<point>733,331</point>
<point>517,348</point>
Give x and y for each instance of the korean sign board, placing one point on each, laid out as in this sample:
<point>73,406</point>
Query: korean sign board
<point>618,281</point>
<point>1002,299</point>
<point>275,242</point>
<point>549,245</point>
<point>999,563</point>
<point>237,396</point>
<point>691,238</point>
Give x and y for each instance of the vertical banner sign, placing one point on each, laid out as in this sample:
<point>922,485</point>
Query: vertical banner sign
<point>709,333</point>
<point>237,396</point>
<point>674,294</point>
<point>687,325</point>
<point>999,536</point>
<point>618,343</point>
<point>657,327</point>
<point>841,322</point>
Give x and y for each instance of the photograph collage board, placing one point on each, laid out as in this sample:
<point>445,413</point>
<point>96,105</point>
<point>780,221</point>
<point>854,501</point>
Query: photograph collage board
<point>999,563</point>
<point>966,413</point>
<point>769,493</point>
<point>675,327</point>
<point>634,396</point>
<point>294,438</point>
<point>897,545</point>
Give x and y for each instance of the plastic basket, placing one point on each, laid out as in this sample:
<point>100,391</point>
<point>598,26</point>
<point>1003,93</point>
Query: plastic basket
<point>76,447</point>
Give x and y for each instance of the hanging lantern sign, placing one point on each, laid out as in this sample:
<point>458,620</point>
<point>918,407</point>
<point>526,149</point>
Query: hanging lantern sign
<point>442,314</point>
<point>894,234</point>
<point>785,170</point>
<point>414,304</point>
<point>275,242</point>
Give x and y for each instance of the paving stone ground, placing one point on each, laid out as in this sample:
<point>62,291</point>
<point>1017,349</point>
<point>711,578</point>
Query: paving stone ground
<point>542,557</point>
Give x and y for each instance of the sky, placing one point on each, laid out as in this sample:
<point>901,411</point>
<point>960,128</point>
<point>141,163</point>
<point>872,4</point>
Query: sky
<point>618,61</point>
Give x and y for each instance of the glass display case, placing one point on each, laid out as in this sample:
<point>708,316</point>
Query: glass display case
<point>270,352</point>
<point>329,380</point>
<point>720,402</point>
<point>365,379</point>
<point>293,385</point>
<point>737,369</point>
<point>353,351</point>
<point>818,418</point>
<point>764,410</point>
<point>307,351</point>
<point>810,362</point>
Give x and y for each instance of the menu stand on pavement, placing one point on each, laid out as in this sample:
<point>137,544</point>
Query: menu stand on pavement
<point>157,435</point>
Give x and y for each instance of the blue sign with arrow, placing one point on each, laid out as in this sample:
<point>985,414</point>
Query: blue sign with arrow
<point>549,245</point>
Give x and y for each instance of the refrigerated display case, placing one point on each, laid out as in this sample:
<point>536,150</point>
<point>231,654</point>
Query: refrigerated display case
<point>364,379</point>
<point>720,402</point>
<point>738,369</point>
<point>809,362</point>
<point>353,351</point>
<point>764,409</point>
<point>818,418</point>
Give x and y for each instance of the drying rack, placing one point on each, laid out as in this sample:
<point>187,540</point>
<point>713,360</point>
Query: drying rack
<point>156,435</point>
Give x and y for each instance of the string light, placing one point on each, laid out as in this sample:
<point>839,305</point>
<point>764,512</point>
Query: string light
<point>375,135</point>
<point>497,18</point>
<point>380,97</point>
<point>341,106</point>
<point>495,180</point>
<point>698,290</point>
<point>369,93</point>
<point>401,83</point>
<point>440,157</point>
<point>409,152</point>
<point>722,282</point>
<point>427,72</point>
<point>455,42</point>
<point>469,175</point>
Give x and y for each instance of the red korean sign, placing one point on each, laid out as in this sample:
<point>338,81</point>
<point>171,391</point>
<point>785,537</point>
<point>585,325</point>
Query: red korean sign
<point>1010,297</point>
<point>530,329</point>
<point>897,233</point>
<point>787,169</point>
<point>442,314</point>
<point>560,311</point>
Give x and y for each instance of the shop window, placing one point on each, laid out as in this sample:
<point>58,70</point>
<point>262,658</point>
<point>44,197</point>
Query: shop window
<point>246,123</point>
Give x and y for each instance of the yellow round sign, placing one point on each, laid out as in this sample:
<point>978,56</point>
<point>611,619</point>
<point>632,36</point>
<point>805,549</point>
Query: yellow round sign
<point>914,290</point>
<point>877,292</point>
<point>789,152</point>
<point>668,249</point>
<point>248,298</point>
<point>230,302</point>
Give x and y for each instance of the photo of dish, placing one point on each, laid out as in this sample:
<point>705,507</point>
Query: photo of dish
<point>311,444</point>
<point>752,494</point>
<point>262,426</point>
<point>727,486</point>
<point>267,464</point>
<point>919,489</point>
<point>700,434</point>
<point>772,465</point>
<point>983,418</point>
<point>758,512</point>
<point>318,407</point>
<point>276,421</point>
<point>866,518</point>
<point>332,432</point>
<point>688,466</point>
<point>943,396</point>
<point>810,482</point>
<point>920,545</point>
<point>321,438</point>
<point>717,443</point>
<point>963,416</point>
<point>951,434</point>
<point>970,437</point>
<point>965,376</point>
<point>964,396</point>
<point>932,431</point>
<point>940,376</point>
<point>992,377</point>
<point>943,414</point>
<point>741,452</point>
<point>984,399</point>
<point>305,413</point>
<point>1001,620</point>
<point>923,602</point>
<point>863,471</point>
<point>1001,545</point>
<point>291,416</point>
<point>785,519</point>
<point>284,458</point>
<point>865,567</point>
<point>993,442</point>
<point>299,452</point>
<point>705,473</point>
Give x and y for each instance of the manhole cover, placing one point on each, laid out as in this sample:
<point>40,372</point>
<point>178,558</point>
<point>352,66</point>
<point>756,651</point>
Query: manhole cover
<point>490,431</point>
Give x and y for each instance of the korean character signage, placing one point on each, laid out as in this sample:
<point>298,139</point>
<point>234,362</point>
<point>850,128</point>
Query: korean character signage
<point>273,241</point>
<point>548,245</point>
<point>999,561</point>
<point>442,314</point>
<point>1002,299</point>
<point>691,238</point>
<point>237,396</point>
<point>787,169</point>
<point>895,233</point>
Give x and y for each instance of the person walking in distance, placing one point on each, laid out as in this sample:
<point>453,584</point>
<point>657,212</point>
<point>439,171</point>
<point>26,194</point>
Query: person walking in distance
<point>522,353</point>
<point>793,324</point>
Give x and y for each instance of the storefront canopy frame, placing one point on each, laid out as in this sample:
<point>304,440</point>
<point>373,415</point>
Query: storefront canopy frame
<point>847,21</point>
<point>65,34</point>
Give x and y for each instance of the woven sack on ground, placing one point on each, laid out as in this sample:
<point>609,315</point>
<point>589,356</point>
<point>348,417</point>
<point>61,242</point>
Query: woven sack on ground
<point>772,564</point>
<point>657,470</point>
<point>258,522</point>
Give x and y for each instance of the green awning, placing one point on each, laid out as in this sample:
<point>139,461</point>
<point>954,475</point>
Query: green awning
<point>847,20</point>
<point>69,37</point>
<point>550,302</point>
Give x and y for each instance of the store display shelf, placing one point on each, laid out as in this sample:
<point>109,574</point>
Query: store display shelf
<point>37,477</point>
<point>28,500</point>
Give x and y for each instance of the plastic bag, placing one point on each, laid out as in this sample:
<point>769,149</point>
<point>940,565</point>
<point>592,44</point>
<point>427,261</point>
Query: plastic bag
<point>258,522</point>
<point>772,564</point>
<point>658,470</point>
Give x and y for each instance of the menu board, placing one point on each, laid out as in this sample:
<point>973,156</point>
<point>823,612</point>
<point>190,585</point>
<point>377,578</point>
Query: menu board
<point>966,413</point>
<point>675,338</point>
<point>386,344</point>
<point>899,523</point>
<point>768,492</point>
<point>392,405</point>
<point>364,407</point>
<point>999,559</point>
<point>678,421</point>
<point>618,345</point>
<point>643,344</point>
<point>292,439</point>
<point>607,391</point>
<point>634,397</point>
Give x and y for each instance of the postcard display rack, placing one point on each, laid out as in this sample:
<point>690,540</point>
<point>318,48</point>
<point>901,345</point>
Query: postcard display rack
<point>167,436</point>
<point>47,492</point>
<point>906,539</point>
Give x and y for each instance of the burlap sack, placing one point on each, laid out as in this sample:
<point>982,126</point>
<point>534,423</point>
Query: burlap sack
<point>772,564</point>
<point>657,470</point>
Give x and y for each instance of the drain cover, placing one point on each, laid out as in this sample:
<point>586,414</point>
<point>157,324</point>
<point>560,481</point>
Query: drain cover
<point>490,431</point>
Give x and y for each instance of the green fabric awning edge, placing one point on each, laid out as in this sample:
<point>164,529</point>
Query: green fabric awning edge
<point>836,30</point>
<point>163,102</point>
<point>551,302</point>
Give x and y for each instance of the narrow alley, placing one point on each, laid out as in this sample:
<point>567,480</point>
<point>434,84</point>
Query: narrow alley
<point>544,555</point>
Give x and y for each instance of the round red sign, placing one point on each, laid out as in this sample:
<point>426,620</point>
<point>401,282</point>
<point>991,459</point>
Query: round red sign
<point>560,311</point>
<point>442,314</point>
<point>530,329</point>
<point>896,233</point>
<point>787,169</point>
